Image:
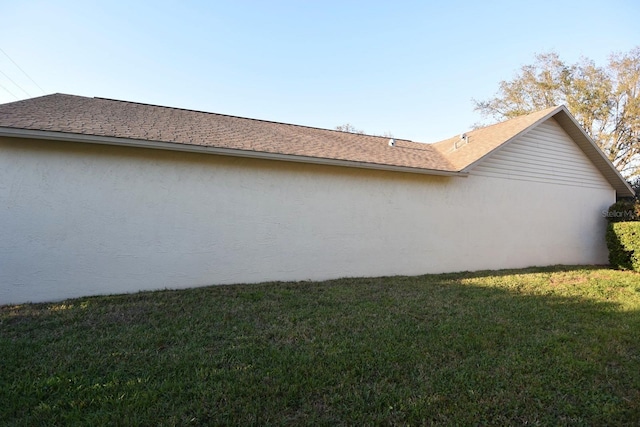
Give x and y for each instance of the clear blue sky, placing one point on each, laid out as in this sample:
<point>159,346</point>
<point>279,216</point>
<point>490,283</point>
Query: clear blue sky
<point>406,67</point>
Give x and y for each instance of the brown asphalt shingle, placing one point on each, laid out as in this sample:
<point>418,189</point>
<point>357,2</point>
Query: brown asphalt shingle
<point>120,119</point>
<point>134,121</point>
<point>76,117</point>
<point>484,140</point>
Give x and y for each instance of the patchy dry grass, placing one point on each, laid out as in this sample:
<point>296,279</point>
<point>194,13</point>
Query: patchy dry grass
<point>537,347</point>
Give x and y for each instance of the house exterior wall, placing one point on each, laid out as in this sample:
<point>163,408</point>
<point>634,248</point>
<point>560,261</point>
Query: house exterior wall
<point>82,219</point>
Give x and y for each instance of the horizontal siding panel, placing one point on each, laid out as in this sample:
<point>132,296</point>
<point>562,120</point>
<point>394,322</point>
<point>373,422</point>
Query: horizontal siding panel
<point>518,158</point>
<point>543,177</point>
<point>550,180</point>
<point>549,145</point>
<point>491,173</point>
<point>545,154</point>
<point>508,163</point>
<point>526,157</point>
<point>567,179</point>
<point>544,146</point>
<point>537,140</point>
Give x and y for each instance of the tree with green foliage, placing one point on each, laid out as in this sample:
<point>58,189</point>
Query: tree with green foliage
<point>635,185</point>
<point>604,100</point>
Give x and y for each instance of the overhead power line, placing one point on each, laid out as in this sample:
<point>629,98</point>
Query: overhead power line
<point>23,71</point>
<point>16,84</point>
<point>8,91</point>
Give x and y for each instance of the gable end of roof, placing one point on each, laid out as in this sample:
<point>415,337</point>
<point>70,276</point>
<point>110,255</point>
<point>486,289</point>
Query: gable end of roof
<point>485,142</point>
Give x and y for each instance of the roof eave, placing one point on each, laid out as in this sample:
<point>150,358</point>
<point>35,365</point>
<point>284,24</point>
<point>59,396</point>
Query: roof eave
<point>171,146</point>
<point>593,152</point>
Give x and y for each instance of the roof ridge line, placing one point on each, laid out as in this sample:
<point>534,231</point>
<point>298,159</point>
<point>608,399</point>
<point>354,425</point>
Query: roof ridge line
<point>549,109</point>
<point>517,117</point>
<point>245,118</point>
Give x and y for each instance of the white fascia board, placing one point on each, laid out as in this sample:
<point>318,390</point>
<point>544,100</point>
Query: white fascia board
<point>159,145</point>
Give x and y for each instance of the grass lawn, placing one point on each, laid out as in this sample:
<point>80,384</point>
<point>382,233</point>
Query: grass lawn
<point>539,346</point>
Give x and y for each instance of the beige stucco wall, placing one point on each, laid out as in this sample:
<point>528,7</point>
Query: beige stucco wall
<point>81,219</point>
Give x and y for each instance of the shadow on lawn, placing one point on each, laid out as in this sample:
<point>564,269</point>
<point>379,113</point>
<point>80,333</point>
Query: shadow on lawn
<point>557,345</point>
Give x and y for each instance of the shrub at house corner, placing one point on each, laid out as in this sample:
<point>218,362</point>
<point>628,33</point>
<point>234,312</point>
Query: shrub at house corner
<point>623,210</point>
<point>623,235</point>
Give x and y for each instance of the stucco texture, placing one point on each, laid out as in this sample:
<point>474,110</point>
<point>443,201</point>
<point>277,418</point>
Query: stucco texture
<point>81,219</point>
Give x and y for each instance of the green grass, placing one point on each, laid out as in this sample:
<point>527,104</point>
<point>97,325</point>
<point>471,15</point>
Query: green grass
<point>540,346</point>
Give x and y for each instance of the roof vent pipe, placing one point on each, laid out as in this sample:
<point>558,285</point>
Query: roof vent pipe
<point>464,139</point>
<point>392,142</point>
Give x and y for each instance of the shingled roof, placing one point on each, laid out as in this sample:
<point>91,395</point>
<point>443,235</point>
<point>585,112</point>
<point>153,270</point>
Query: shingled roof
<point>107,121</point>
<point>138,124</point>
<point>484,140</point>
